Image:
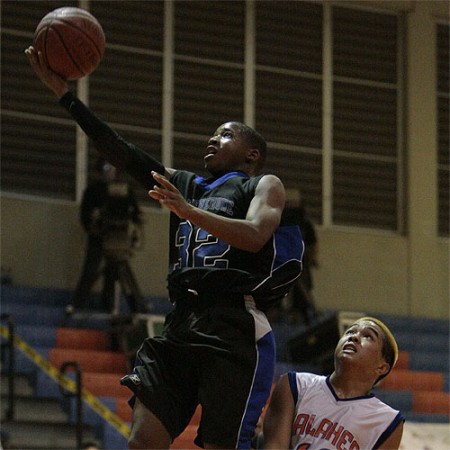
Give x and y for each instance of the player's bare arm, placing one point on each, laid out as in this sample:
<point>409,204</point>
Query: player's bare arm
<point>393,441</point>
<point>251,233</point>
<point>279,416</point>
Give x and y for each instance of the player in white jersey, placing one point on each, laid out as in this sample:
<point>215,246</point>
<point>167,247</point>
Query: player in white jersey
<point>315,412</point>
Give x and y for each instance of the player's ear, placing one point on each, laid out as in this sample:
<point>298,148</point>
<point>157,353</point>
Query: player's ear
<point>383,368</point>
<point>253,154</point>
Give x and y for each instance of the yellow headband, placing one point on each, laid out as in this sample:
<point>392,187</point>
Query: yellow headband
<point>389,336</point>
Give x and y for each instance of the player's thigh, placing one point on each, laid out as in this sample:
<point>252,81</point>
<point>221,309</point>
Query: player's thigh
<point>235,382</point>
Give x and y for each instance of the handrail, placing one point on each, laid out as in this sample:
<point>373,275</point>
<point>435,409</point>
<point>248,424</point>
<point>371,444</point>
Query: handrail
<point>11,365</point>
<point>77,394</point>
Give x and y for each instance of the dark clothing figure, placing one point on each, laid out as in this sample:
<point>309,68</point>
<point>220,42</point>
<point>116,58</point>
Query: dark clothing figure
<point>302,301</point>
<point>106,206</point>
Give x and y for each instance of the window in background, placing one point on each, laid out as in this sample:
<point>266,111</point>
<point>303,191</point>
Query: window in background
<point>326,82</point>
<point>443,89</point>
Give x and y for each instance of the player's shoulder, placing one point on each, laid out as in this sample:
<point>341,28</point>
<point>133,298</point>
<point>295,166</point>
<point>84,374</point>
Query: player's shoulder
<point>307,378</point>
<point>268,182</point>
<point>298,383</point>
<point>304,379</point>
<point>268,178</point>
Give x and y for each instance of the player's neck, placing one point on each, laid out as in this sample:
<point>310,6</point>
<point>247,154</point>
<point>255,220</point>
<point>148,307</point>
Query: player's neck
<point>348,386</point>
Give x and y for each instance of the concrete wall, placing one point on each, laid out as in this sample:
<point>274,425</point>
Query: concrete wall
<point>372,273</point>
<point>43,244</point>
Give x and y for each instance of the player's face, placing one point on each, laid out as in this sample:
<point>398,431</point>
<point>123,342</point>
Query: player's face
<point>363,342</point>
<point>227,150</point>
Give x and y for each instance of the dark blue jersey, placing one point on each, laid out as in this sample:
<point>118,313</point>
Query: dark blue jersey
<point>266,275</point>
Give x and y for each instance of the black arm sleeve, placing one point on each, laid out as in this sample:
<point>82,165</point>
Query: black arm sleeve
<point>113,147</point>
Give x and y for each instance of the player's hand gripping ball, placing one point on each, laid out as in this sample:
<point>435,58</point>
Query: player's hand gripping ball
<point>71,40</point>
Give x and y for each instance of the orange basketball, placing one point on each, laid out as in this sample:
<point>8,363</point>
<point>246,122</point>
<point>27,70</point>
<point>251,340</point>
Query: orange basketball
<point>71,40</point>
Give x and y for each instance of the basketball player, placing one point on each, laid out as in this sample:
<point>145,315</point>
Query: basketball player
<point>338,411</point>
<point>229,259</point>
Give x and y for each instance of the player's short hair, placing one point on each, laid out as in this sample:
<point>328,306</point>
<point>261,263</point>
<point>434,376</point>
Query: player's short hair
<point>254,139</point>
<point>389,351</point>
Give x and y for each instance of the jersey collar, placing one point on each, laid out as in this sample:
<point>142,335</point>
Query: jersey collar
<point>211,183</point>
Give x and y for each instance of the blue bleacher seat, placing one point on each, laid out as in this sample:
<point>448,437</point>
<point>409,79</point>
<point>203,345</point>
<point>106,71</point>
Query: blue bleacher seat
<point>401,400</point>
<point>435,361</point>
<point>29,314</point>
<point>37,311</point>
<point>425,417</point>
<point>90,416</point>
<point>22,363</point>
<point>12,293</point>
<point>418,324</point>
<point>446,382</point>
<point>413,340</point>
<point>112,439</point>
<point>37,335</point>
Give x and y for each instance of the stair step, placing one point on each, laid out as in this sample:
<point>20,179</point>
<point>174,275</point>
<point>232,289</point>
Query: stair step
<point>90,360</point>
<point>431,402</point>
<point>37,335</point>
<point>35,295</point>
<point>410,380</point>
<point>403,361</point>
<point>123,409</point>
<point>82,339</point>
<point>105,385</point>
<point>22,385</point>
<point>29,409</point>
<point>26,314</point>
<point>32,435</point>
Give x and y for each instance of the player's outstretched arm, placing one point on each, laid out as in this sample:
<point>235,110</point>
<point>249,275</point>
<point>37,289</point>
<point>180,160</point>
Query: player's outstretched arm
<point>279,417</point>
<point>122,154</point>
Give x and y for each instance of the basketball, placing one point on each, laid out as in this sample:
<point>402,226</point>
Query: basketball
<point>71,40</point>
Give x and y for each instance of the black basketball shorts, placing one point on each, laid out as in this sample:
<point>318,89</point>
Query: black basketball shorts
<point>222,358</point>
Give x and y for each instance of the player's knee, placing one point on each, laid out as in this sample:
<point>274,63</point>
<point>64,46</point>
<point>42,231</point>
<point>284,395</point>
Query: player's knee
<point>136,444</point>
<point>133,444</point>
<point>146,439</point>
<point>139,444</point>
<point>137,440</point>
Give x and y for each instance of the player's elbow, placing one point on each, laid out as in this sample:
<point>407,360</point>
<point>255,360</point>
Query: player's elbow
<point>257,243</point>
<point>252,248</point>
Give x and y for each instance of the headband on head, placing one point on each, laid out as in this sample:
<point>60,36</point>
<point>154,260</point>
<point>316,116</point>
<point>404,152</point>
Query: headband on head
<point>389,336</point>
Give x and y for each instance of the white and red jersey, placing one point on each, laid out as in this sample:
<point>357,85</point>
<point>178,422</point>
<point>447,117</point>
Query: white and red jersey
<point>325,422</point>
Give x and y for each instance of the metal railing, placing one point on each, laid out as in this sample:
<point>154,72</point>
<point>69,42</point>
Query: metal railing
<point>77,394</point>
<point>7,348</point>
